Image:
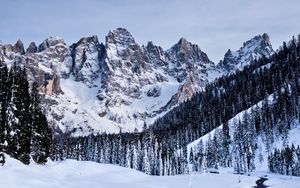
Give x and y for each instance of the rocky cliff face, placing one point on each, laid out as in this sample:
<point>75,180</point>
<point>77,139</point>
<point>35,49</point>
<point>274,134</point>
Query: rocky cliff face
<point>189,65</point>
<point>120,85</point>
<point>87,60</point>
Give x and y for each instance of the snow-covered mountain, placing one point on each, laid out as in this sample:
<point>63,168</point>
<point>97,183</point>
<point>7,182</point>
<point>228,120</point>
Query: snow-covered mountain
<point>252,49</point>
<point>120,85</point>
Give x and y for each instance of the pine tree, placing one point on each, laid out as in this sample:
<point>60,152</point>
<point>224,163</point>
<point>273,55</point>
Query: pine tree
<point>237,148</point>
<point>41,133</point>
<point>199,156</point>
<point>146,162</point>
<point>249,142</point>
<point>211,153</point>
<point>134,158</point>
<point>10,118</point>
<point>127,156</point>
<point>3,106</point>
<point>185,162</point>
<point>23,104</point>
<point>226,159</point>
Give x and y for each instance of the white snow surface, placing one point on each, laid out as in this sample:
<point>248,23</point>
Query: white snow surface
<point>80,174</point>
<point>80,108</point>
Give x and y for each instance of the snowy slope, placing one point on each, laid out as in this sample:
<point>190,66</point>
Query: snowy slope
<point>79,106</point>
<point>73,174</point>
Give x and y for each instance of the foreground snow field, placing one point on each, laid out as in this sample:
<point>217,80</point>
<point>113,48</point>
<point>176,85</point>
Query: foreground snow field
<point>73,174</point>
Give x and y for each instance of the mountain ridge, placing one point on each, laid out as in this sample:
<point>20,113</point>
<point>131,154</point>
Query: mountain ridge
<point>129,85</point>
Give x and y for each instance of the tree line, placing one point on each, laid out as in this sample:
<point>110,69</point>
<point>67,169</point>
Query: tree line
<point>24,131</point>
<point>285,161</point>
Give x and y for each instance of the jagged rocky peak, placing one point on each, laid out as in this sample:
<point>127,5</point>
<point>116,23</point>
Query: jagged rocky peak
<point>153,48</point>
<point>186,52</point>
<point>6,51</point>
<point>259,41</point>
<point>120,36</point>
<point>183,43</point>
<point>228,54</point>
<point>266,40</point>
<point>87,40</point>
<point>124,54</point>
<point>254,48</point>
<point>50,42</point>
<point>45,64</point>
<point>155,54</point>
<point>118,42</point>
<point>87,57</point>
<point>187,59</point>
<point>190,66</point>
<point>19,47</point>
<point>10,52</point>
<point>32,48</point>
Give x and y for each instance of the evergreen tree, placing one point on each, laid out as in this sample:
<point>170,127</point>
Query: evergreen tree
<point>22,99</point>
<point>41,133</point>
<point>185,161</point>
<point>3,106</point>
<point>11,118</point>
<point>134,159</point>
<point>211,153</point>
<point>146,162</point>
<point>199,156</point>
<point>226,158</point>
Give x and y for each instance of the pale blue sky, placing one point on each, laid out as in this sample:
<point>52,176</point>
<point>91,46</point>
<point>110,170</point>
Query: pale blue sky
<point>214,25</point>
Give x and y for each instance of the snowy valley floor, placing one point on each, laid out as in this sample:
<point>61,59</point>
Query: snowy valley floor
<point>75,174</point>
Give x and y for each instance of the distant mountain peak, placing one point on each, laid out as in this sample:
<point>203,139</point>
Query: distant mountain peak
<point>254,48</point>
<point>228,53</point>
<point>49,42</point>
<point>183,40</point>
<point>266,40</point>
<point>259,40</point>
<point>266,37</point>
<point>121,36</point>
<point>150,44</point>
<point>19,47</point>
<point>184,43</point>
<point>186,52</point>
<point>90,39</point>
<point>32,48</point>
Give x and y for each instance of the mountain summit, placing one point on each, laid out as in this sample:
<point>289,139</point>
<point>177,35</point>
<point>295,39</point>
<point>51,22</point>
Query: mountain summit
<point>252,49</point>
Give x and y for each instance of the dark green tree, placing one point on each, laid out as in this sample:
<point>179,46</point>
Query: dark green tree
<point>3,106</point>
<point>41,140</point>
